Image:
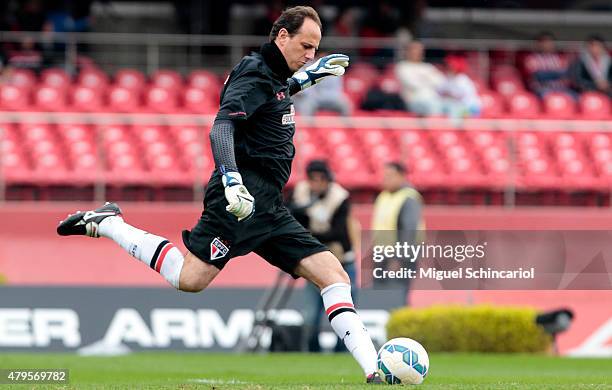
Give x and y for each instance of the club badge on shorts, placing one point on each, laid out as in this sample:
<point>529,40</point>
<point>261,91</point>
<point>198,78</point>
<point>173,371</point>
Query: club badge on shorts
<point>218,249</point>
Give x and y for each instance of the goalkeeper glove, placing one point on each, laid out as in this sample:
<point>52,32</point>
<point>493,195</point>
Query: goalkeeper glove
<point>241,203</point>
<point>331,65</point>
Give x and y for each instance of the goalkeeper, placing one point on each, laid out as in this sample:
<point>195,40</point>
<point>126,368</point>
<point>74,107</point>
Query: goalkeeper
<point>252,144</point>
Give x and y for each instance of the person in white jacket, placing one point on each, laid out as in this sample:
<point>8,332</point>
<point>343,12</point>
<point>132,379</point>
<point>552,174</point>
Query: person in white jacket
<point>420,81</point>
<point>459,95</point>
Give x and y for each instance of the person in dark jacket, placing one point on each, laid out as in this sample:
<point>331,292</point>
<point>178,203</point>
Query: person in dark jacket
<point>592,70</point>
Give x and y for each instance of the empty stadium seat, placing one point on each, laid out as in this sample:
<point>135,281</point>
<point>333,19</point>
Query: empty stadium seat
<point>492,104</point>
<point>167,79</point>
<point>22,78</point>
<point>161,100</point>
<point>523,105</point>
<point>49,98</point>
<point>122,99</point>
<point>508,85</point>
<point>14,98</point>
<point>203,80</point>
<point>56,78</point>
<point>559,106</point>
<point>594,105</point>
<point>198,101</point>
<point>93,79</point>
<point>130,79</point>
<point>85,99</point>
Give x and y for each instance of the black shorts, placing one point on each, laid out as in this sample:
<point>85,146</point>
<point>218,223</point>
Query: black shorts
<point>272,232</point>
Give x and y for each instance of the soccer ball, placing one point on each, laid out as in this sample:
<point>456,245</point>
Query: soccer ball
<point>403,361</point>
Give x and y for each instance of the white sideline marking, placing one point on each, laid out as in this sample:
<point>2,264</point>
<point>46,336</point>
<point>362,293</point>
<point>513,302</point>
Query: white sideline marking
<point>217,381</point>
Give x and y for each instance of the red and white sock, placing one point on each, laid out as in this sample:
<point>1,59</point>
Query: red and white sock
<point>348,326</point>
<point>155,251</point>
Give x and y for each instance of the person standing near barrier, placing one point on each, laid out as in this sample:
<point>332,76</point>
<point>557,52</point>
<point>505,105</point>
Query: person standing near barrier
<point>323,207</point>
<point>398,217</point>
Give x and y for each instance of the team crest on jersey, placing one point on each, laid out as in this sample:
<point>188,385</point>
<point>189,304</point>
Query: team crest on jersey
<point>289,119</point>
<point>218,249</point>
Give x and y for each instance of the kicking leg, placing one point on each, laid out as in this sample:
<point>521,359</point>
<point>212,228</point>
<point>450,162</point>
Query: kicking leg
<point>186,273</point>
<point>325,271</point>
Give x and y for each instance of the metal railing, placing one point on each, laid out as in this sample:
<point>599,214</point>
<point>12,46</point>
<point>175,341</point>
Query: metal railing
<point>150,52</point>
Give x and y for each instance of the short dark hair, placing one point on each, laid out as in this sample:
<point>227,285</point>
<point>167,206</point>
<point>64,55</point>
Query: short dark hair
<point>542,35</point>
<point>595,38</point>
<point>398,166</point>
<point>292,19</point>
<point>319,166</point>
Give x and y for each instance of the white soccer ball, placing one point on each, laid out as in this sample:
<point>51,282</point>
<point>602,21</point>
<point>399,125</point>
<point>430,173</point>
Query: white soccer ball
<point>403,361</point>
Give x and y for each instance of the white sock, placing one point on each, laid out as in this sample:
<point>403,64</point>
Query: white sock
<point>156,252</point>
<point>348,326</point>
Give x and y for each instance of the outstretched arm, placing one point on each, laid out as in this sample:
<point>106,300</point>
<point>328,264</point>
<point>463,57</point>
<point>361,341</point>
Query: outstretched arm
<point>331,65</point>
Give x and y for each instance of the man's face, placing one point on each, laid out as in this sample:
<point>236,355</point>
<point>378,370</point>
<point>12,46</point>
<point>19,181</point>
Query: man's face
<point>392,179</point>
<point>546,45</point>
<point>414,52</point>
<point>301,47</point>
<point>318,183</point>
<point>595,48</point>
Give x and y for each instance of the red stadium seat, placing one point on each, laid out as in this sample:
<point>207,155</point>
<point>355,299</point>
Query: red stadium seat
<point>130,79</point>
<point>56,78</point>
<point>559,106</point>
<point>594,105</point>
<point>93,79</point>
<point>85,99</point>
<point>161,100</point>
<point>492,104</point>
<point>167,79</point>
<point>508,86</point>
<point>114,133</point>
<point>199,102</point>
<point>13,98</point>
<point>33,133</point>
<point>523,105</point>
<point>49,98</point>
<point>204,80</point>
<point>121,99</point>
<point>22,78</point>
<point>367,71</point>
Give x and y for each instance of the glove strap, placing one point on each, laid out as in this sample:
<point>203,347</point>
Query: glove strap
<point>302,79</point>
<point>230,178</point>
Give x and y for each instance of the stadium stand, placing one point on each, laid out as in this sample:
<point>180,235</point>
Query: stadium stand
<point>164,155</point>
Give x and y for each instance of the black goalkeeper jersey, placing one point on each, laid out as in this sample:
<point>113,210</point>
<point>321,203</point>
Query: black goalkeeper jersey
<point>256,98</point>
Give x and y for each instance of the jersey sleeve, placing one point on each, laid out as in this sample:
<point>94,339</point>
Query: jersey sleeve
<point>243,95</point>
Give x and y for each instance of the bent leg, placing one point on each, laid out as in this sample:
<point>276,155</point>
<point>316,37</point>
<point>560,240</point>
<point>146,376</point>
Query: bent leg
<point>186,273</point>
<point>196,275</point>
<point>324,270</point>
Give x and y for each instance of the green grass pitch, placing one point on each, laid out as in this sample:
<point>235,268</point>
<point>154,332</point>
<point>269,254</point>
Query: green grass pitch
<point>309,371</point>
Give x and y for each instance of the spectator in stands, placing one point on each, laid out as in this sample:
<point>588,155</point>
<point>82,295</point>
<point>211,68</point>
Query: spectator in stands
<point>592,70</point>
<point>459,95</point>
<point>397,217</point>
<point>420,81</point>
<point>329,96</point>
<point>383,96</point>
<point>323,206</point>
<point>4,69</point>
<point>546,69</point>
<point>26,57</point>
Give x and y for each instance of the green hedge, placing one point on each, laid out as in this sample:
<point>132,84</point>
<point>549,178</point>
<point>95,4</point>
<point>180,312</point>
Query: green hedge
<point>480,328</point>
